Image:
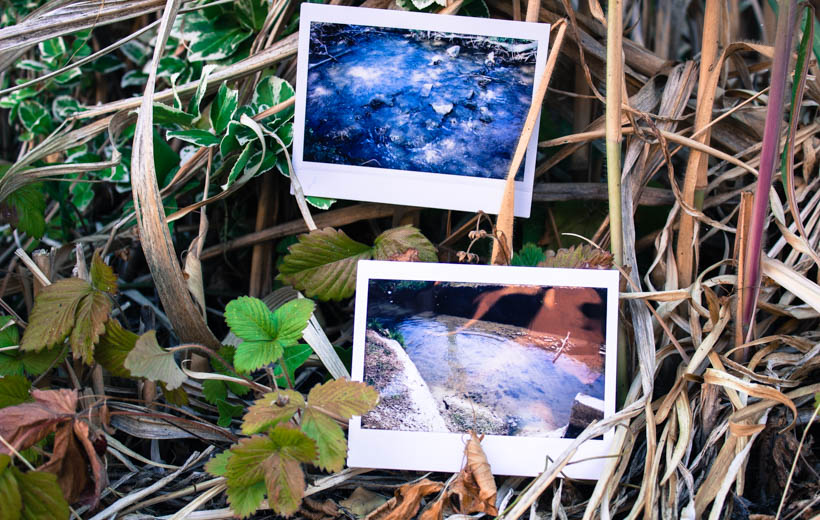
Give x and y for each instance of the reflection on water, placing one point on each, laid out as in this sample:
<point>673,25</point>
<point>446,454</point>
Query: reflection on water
<point>498,367</point>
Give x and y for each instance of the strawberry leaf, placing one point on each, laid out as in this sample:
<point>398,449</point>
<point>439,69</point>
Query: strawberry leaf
<point>17,362</point>
<point>227,412</point>
<point>343,398</point>
<point>272,409</point>
<point>245,500</point>
<point>14,390</point>
<point>329,437</point>
<point>92,313</point>
<point>11,502</point>
<point>102,276</point>
<point>149,360</point>
<point>265,333</point>
<point>397,241</point>
<point>323,264</point>
<point>41,496</point>
<point>218,465</point>
<point>114,347</point>
<point>53,315</point>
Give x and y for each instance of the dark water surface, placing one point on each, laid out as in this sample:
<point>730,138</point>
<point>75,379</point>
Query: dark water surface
<point>505,374</point>
<point>389,100</point>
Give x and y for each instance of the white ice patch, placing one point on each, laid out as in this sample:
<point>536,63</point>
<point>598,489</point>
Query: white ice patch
<point>319,91</point>
<point>442,108</point>
<point>369,74</point>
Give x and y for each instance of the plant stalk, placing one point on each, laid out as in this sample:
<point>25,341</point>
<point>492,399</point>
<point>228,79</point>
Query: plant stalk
<point>769,153</point>
<point>614,85</point>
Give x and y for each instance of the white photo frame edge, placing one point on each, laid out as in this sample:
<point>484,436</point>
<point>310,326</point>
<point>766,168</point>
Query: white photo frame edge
<point>408,188</point>
<point>523,456</point>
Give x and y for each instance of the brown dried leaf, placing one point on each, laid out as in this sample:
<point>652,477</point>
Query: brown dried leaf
<point>405,504</point>
<point>362,502</point>
<point>475,485</point>
<point>315,510</point>
<point>28,423</point>
<point>436,509</point>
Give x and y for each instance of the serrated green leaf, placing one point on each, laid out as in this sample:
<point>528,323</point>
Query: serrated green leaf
<point>343,398</point>
<point>114,346</point>
<point>223,108</point>
<point>42,497</point>
<point>28,204</point>
<point>14,390</point>
<point>528,256</point>
<point>149,360</point>
<point>245,500</point>
<point>245,464</point>
<point>227,412</point>
<point>398,241</point>
<point>168,116</point>
<point>293,357</point>
<point>11,502</point>
<point>17,362</point>
<point>214,390</point>
<point>53,315</point>
<point>218,465</point>
<point>92,313</point>
<point>102,276</point>
<point>285,482</point>
<point>270,410</point>
<point>329,437</point>
<point>323,264</point>
<point>227,352</point>
<point>265,333</point>
<point>195,136</point>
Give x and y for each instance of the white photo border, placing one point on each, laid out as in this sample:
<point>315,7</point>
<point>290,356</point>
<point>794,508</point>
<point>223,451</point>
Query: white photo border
<point>507,455</point>
<point>411,188</point>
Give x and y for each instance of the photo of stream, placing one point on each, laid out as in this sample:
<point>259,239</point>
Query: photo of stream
<point>515,360</point>
<point>416,100</point>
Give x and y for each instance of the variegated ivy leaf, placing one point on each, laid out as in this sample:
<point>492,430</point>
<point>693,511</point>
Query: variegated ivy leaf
<point>223,108</point>
<point>195,136</point>
<point>214,39</point>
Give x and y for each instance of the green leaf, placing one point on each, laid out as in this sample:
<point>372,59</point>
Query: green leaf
<point>195,136</point>
<point>213,39</point>
<point>65,106</point>
<point>272,409</point>
<point>252,13</point>
<point>136,51</point>
<point>245,464</point>
<point>239,166</point>
<point>294,357</point>
<point>14,390</point>
<point>34,117</point>
<point>193,105</point>
<point>528,256</point>
<point>11,502</point>
<point>398,241</point>
<point>69,76</point>
<point>265,333</point>
<point>114,347</point>
<point>92,313</point>
<point>102,276</point>
<point>28,205</point>
<point>214,390</point>
<point>329,437</point>
<point>270,92</point>
<point>153,362</point>
<point>53,315</point>
<point>223,108</point>
<point>320,202</point>
<point>343,398</point>
<point>245,500</point>
<point>227,412</point>
<point>323,264</point>
<point>51,50</point>
<point>42,497</point>
<point>133,78</point>
<point>227,352</point>
<point>168,115</point>
<point>218,465</point>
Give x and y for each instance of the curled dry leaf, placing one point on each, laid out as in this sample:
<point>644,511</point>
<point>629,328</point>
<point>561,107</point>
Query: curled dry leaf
<point>405,504</point>
<point>475,485</point>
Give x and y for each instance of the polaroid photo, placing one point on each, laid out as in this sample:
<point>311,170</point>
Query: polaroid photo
<point>525,356</point>
<point>413,108</point>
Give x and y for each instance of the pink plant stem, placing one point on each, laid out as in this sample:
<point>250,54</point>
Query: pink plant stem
<point>771,150</point>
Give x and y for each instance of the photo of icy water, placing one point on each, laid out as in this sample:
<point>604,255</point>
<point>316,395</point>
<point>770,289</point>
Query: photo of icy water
<point>416,100</point>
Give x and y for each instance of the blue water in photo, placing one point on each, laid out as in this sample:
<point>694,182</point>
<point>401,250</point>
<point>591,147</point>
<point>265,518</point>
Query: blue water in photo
<point>415,100</point>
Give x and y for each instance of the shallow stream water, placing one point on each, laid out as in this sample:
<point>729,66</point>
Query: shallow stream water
<point>393,101</point>
<point>501,371</point>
